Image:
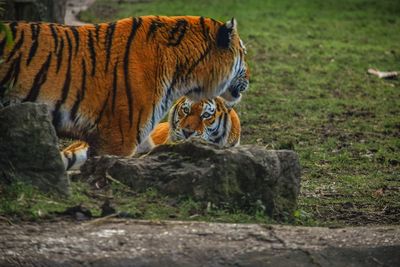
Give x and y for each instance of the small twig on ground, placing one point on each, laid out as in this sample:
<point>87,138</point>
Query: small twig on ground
<point>124,186</point>
<point>382,74</point>
<point>102,219</point>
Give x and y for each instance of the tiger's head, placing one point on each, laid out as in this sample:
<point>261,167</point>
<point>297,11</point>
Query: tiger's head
<point>207,120</point>
<point>213,61</point>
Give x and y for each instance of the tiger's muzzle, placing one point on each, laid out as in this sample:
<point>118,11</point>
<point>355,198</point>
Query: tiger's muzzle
<point>233,94</point>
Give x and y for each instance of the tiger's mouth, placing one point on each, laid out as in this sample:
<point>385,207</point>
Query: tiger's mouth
<point>234,92</point>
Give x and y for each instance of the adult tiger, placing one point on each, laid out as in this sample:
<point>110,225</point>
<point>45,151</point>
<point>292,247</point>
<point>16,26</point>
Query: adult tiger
<point>210,120</point>
<point>109,84</point>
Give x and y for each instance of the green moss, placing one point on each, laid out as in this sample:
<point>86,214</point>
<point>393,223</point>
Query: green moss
<point>26,202</point>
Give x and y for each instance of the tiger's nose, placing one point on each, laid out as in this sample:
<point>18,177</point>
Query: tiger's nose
<point>187,133</point>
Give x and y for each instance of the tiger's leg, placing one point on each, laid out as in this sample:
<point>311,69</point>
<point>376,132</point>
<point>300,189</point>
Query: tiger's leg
<point>145,146</point>
<point>114,138</point>
<point>75,155</point>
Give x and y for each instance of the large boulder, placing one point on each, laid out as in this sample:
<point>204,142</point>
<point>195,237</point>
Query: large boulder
<point>246,177</point>
<point>29,150</point>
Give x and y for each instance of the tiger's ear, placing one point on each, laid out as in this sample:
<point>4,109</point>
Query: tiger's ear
<point>225,33</point>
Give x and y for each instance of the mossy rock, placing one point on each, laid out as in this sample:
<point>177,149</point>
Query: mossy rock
<point>246,177</point>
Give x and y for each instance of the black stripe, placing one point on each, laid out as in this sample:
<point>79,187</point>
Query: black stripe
<point>97,30</point>
<point>108,41</point>
<point>223,128</point>
<point>81,95</point>
<point>69,47</point>
<point>92,53</point>
<point>177,33</point>
<point>71,161</point>
<point>39,80</point>
<point>13,27</point>
<point>16,47</point>
<point>66,86</point>
<point>216,130</point>
<point>35,30</point>
<point>55,37</point>
<point>138,139</point>
<point>76,37</point>
<point>103,108</point>
<point>121,132</point>
<point>153,118</point>
<point>175,110</point>
<point>204,29</point>
<point>12,73</point>
<point>115,83</point>
<point>136,23</point>
<point>60,54</point>
<point>197,62</point>
<point>155,24</point>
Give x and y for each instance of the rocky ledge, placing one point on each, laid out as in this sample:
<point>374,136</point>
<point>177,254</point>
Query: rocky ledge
<point>245,177</point>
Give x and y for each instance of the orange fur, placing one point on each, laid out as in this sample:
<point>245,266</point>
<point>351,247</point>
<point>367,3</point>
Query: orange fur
<point>75,155</point>
<point>160,134</point>
<point>109,84</point>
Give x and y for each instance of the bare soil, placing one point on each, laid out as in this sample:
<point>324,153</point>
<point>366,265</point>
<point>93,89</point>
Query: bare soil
<point>121,242</point>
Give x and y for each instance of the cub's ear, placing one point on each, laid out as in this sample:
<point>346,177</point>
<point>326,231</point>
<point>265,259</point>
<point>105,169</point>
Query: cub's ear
<point>228,104</point>
<point>225,33</point>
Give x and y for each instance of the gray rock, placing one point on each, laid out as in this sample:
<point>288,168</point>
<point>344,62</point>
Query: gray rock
<point>28,148</point>
<point>245,177</point>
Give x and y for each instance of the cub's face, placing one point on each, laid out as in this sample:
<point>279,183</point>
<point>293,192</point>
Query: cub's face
<point>197,120</point>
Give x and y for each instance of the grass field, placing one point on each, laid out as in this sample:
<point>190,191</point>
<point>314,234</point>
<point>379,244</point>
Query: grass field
<point>310,92</point>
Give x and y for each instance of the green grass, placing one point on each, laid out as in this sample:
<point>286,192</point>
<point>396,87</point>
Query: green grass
<point>22,201</point>
<point>310,92</point>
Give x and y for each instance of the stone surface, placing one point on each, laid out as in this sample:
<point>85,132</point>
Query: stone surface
<point>245,177</point>
<point>28,148</point>
<point>118,242</point>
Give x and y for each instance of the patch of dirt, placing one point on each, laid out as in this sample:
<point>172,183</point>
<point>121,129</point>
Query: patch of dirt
<point>120,242</point>
<point>350,214</point>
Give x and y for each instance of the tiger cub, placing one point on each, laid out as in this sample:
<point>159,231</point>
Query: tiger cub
<point>209,120</point>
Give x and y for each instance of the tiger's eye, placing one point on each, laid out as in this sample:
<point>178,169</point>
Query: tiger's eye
<point>206,115</point>
<point>185,110</point>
